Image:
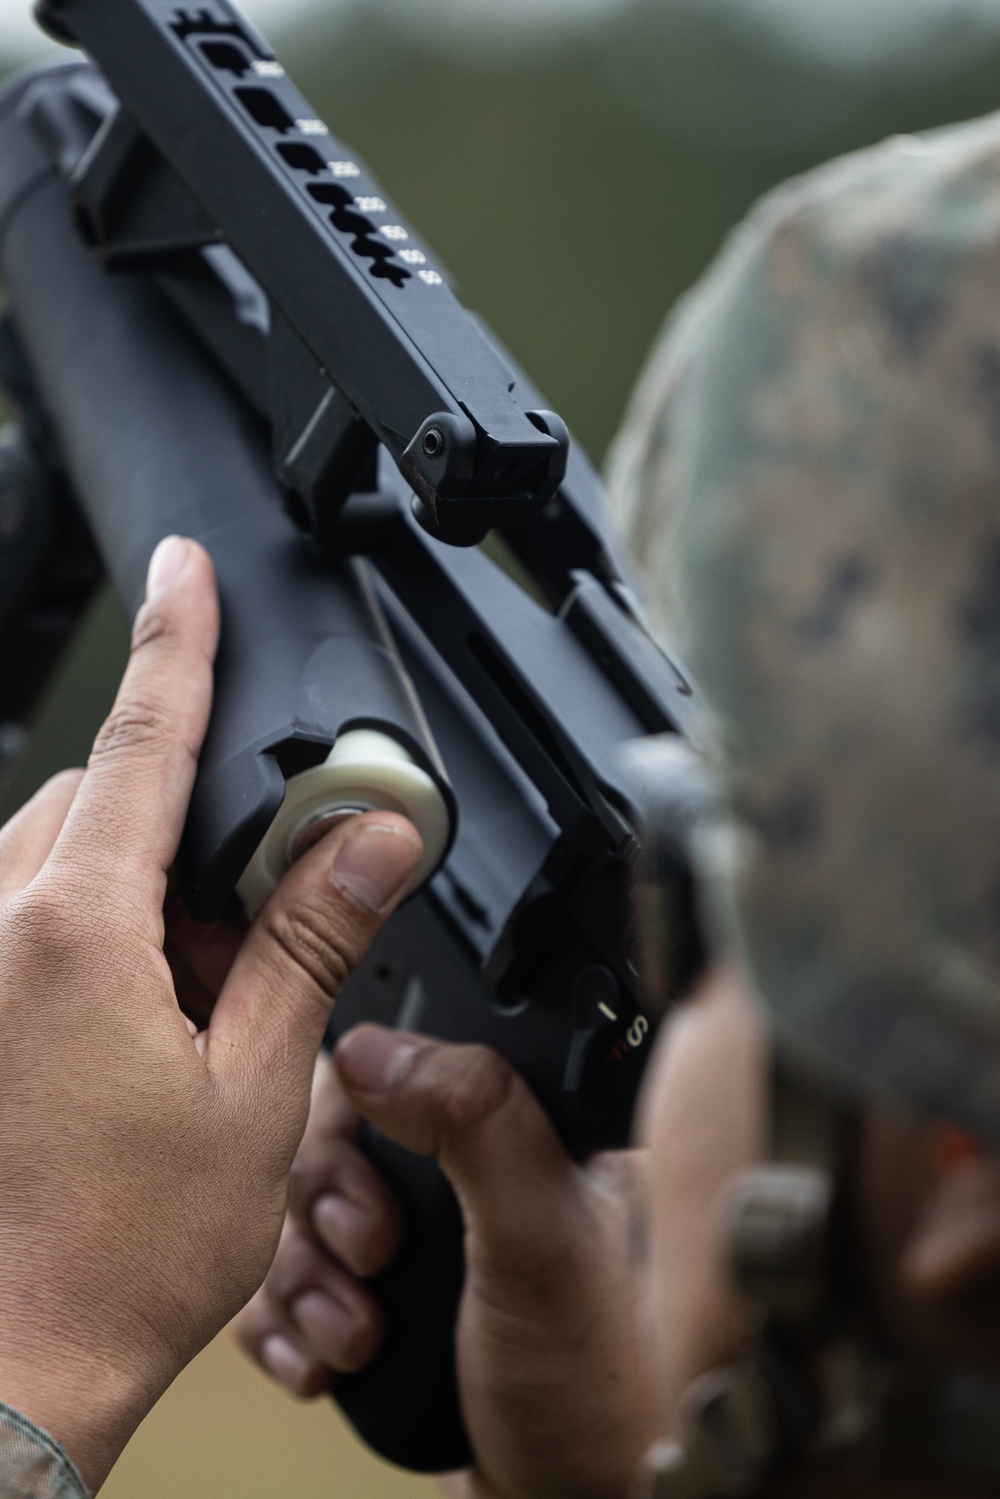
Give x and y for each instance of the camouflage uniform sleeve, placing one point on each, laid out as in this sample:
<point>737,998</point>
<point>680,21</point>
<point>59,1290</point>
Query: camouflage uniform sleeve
<point>810,477</point>
<point>32,1465</point>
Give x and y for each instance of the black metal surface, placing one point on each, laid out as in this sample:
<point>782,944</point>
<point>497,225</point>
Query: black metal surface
<point>339,262</point>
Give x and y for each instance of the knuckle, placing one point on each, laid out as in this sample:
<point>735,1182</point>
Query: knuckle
<point>43,909</point>
<point>133,727</point>
<point>467,1085</point>
<point>47,923</point>
<point>253,1324</point>
<point>297,1265</point>
<point>155,623</point>
<point>306,1182</point>
<point>304,938</point>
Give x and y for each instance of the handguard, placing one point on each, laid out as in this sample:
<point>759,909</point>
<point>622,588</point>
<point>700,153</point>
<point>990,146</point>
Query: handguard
<point>213,310</point>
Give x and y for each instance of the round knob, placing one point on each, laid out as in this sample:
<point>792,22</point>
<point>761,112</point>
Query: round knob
<point>366,771</point>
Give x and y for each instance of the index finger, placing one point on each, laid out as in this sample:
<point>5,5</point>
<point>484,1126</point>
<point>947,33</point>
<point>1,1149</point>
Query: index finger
<point>129,812</point>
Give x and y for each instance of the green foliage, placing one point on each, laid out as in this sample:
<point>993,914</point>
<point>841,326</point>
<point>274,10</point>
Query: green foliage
<point>577,181</point>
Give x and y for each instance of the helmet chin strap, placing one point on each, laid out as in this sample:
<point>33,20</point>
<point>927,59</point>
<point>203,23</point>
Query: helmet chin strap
<point>816,1383</point>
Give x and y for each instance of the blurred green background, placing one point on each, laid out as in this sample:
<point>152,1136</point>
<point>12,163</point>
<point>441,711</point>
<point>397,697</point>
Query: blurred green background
<point>576,164</point>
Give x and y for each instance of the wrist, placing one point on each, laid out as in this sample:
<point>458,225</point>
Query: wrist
<point>89,1410</point>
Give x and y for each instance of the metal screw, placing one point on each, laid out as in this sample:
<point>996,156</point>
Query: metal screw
<point>320,825</point>
<point>433,442</point>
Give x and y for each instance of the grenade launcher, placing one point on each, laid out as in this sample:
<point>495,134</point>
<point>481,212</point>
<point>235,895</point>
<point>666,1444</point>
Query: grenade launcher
<point>218,325</point>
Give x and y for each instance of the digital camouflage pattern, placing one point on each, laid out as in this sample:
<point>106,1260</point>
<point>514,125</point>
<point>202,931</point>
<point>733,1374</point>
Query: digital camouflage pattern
<point>810,477</point>
<point>32,1465</point>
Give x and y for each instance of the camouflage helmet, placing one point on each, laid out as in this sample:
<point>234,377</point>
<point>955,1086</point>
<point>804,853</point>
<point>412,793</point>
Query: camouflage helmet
<point>810,477</point>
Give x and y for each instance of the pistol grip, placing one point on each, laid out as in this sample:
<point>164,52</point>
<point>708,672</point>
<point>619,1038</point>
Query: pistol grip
<point>405,1404</point>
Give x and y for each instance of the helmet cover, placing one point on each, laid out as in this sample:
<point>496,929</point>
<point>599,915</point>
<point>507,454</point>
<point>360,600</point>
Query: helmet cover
<point>810,477</point>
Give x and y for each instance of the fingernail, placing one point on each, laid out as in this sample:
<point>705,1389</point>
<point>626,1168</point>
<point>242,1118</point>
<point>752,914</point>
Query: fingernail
<point>336,1329</point>
<point>285,1361</point>
<point>344,1228</point>
<point>166,565</point>
<point>375,867</point>
<point>372,1060</point>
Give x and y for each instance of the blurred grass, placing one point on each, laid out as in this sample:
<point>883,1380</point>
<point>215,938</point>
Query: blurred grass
<point>223,1430</point>
<point>576,183</point>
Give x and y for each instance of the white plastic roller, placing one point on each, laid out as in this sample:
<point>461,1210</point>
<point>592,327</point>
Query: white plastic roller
<point>366,771</point>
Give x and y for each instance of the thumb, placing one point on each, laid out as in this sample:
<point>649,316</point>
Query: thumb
<point>270,1017</point>
<point>467,1106</point>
